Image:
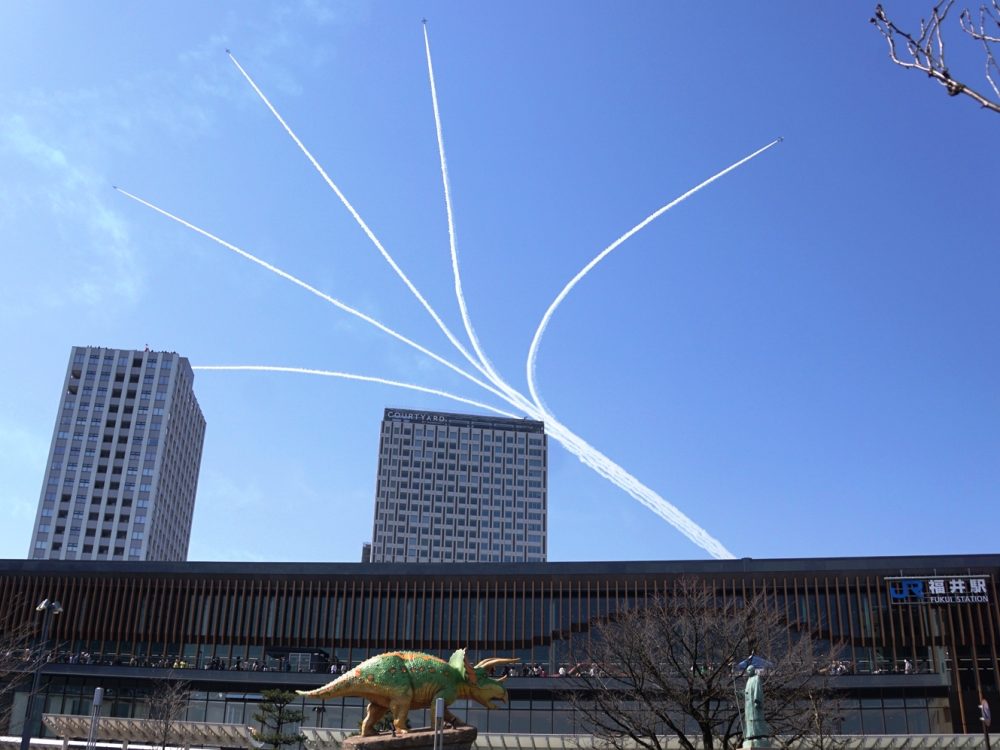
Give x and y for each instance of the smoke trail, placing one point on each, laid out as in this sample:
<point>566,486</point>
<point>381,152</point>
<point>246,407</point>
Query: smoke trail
<point>357,218</point>
<point>312,290</point>
<point>470,331</point>
<point>588,455</point>
<point>618,476</point>
<point>540,331</point>
<point>352,376</point>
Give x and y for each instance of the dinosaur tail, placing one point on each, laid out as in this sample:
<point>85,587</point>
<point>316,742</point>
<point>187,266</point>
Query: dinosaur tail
<point>339,687</point>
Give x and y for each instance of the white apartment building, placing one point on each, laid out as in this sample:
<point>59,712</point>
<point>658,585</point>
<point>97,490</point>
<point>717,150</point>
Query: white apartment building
<point>460,488</point>
<point>123,465</point>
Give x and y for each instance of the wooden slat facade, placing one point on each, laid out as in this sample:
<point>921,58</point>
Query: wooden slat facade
<point>126,613</point>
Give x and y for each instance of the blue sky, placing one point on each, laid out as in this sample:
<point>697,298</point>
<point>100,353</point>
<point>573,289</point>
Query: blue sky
<point>802,357</point>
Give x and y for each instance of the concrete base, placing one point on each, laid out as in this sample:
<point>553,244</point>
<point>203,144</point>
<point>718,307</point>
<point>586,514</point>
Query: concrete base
<point>459,738</point>
<point>763,742</point>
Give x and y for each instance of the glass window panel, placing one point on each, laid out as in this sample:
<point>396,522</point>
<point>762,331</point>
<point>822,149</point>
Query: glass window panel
<point>122,708</point>
<point>196,711</point>
<point>334,714</point>
<point>917,721</point>
<point>18,710</point>
<point>236,712</point>
<point>871,721</point>
<point>520,722</point>
<point>312,716</point>
<point>541,722</point>
<point>499,721</point>
<point>477,718</point>
<point>420,718</point>
<point>895,721</point>
<point>851,723</point>
<point>562,722</point>
<point>939,715</point>
<point>352,717</point>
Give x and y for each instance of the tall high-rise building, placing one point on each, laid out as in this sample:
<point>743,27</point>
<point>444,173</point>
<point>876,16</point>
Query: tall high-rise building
<point>460,488</point>
<point>123,465</point>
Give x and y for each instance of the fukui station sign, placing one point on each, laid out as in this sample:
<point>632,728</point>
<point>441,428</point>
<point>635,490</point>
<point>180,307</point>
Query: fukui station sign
<point>969,589</point>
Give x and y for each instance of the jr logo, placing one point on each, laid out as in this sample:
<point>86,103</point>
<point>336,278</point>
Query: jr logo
<point>908,589</point>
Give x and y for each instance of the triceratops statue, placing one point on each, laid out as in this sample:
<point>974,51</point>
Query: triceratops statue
<point>401,680</point>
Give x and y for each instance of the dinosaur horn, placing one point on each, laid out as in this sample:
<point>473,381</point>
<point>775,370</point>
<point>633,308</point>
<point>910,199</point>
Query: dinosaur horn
<point>494,661</point>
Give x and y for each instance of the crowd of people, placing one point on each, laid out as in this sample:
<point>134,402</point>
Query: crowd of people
<point>235,663</point>
<point>538,670</point>
<point>843,667</point>
<point>907,667</point>
<point>836,667</point>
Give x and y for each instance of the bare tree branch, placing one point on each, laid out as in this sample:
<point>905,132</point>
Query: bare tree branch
<point>671,668</point>
<point>925,51</point>
<point>987,34</point>
<point>167,704</point>
<point>21,654</point>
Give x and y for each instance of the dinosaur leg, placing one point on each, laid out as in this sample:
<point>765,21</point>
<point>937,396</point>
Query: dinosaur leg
<point>400,707</point>
<point>373,716</point>
<point>450,719</point>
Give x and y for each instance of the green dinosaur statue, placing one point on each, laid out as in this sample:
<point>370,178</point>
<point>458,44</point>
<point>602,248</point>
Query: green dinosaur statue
<point>401,680</point>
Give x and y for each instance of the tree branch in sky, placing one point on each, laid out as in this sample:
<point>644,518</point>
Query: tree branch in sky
<point>926,50</point>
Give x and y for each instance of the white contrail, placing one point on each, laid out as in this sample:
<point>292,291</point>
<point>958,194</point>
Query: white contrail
<point>312,290</point>
<point>540,331</point>
<point>488,369</point>
<point>357,218</point>
<point>587,454</point>
<point>352,376</point>
<point>618,476</point>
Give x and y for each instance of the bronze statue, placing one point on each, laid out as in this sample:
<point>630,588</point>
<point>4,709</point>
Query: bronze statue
<point>756,730</point>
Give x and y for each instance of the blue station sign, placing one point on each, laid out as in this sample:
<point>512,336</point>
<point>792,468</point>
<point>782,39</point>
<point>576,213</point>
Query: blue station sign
<point>968,589</point>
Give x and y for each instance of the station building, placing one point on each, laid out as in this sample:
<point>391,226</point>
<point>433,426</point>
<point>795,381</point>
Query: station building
<point>231,630</point>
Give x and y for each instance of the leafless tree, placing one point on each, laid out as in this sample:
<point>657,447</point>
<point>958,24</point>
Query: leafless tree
<point>21,654</point>
<point>672,667</point>
<point>926,50</point>
<point>167,704</point>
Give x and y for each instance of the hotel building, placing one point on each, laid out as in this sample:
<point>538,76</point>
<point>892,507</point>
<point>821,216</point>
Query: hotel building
<point>460,488</point>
